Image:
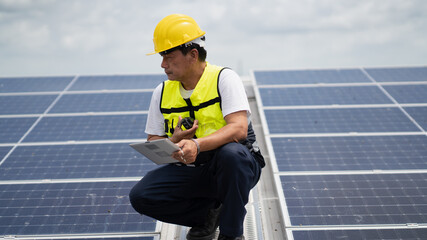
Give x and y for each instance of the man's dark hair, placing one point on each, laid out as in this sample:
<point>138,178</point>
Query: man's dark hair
<point>186,49</point>
<point>202,51</point>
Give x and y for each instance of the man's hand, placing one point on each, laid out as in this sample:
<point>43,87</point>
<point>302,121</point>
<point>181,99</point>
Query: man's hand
<point>180,134</point>
<point>188,152</point>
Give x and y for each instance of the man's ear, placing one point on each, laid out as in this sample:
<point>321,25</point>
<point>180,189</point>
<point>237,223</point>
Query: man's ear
<point>194,53</point>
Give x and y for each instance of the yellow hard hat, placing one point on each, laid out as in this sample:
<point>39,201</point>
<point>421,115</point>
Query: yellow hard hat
<point>175,30</point>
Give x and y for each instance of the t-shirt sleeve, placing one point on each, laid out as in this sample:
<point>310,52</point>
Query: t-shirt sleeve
<point>233,94</point>
<point>155,119</point>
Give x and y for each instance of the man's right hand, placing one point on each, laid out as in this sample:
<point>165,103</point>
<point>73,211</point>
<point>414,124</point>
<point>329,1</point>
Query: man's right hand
<point>180,134</point>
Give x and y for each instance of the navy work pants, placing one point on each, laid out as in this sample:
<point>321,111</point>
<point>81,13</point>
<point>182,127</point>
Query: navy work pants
<point>183,195</point>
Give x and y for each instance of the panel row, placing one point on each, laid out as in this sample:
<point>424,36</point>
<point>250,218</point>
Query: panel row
<point>402,74</point>
<point>73,161</point>
<point>350,153</point>
<point>73,128</point>
<point>345,120</point>
<point>366,234</point>
<point>354,95</point>
<point>49,84</point>
<point>75,103</point>
<point>69,208</point>
<point>356,199</point>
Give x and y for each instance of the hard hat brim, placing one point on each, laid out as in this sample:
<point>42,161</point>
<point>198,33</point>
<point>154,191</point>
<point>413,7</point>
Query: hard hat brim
<point>151,53</point>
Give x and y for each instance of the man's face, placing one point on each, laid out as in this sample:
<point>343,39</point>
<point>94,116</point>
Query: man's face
<point>175,64</point>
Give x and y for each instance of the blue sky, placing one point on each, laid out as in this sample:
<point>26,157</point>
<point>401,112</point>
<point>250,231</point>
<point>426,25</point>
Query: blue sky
<point>75,37</point>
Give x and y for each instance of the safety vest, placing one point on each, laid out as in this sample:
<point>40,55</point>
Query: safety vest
<point>204,103</point>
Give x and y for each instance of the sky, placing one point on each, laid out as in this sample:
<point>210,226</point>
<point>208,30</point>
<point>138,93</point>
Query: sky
<point>103,37</point>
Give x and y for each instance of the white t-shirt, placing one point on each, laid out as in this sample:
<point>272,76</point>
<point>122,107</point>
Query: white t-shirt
<point>233,99</point>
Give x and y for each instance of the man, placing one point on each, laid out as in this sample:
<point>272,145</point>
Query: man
<point>219,159</point>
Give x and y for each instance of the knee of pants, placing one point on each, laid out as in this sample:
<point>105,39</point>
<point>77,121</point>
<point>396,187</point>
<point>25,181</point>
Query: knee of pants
<point>137,200</point>
<point>233,156</point>
<point>234,159</point>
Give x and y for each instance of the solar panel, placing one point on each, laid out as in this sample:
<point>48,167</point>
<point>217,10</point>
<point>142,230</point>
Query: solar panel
<point>31,104</point>
<point>69,208</point>
<point>66,167</point>
<point>4,151</point>
<point>419,114</point>
<point>322,96</point>
<point>350,153</point>
<point>348,150</point>
<point>310,76</point>
<point>356,199</point>
<point>338,120</point>
<point>408,93</point>
<point>102,102</point>
<point>79,128</point>
<point>12,129</point>
<point>118,82</point>
<point>33,84</point>
<point>368,234</point>
<point>74,161</point>
<point>398,74</point>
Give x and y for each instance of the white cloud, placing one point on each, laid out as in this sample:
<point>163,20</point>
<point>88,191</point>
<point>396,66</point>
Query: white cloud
<point>24,35</point>
<point>110,36</point>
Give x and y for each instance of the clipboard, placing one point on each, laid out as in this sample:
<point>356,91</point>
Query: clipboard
<point>158,151</point>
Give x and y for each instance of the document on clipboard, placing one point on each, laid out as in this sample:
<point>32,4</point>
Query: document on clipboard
<point>159,151</point>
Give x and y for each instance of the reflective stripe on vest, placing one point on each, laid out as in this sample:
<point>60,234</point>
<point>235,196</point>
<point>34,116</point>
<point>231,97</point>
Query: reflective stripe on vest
<point>203,105</point>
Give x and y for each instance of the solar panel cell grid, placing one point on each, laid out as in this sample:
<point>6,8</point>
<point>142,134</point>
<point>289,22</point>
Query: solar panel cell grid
<point>74,161</point>
<point>12,129</point>
<point>356,199</point>
<point>34,84</point>
<point>350,153</point>
<point>419,114</point>
<point>105,102</point>
<point>338,120</point>
<point>82,207</point>
<point>375,177</point>
<point>322,96</point>
<point>398,74</point>
<point>118,82</point>
<point>408,93</point>
<point>79,128</point>
<point>4,151</point>
<point>69,208</point>
<point>33,104</point>
<point>311,76</point>
<point>315,199</point>
<point>368,234</point>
